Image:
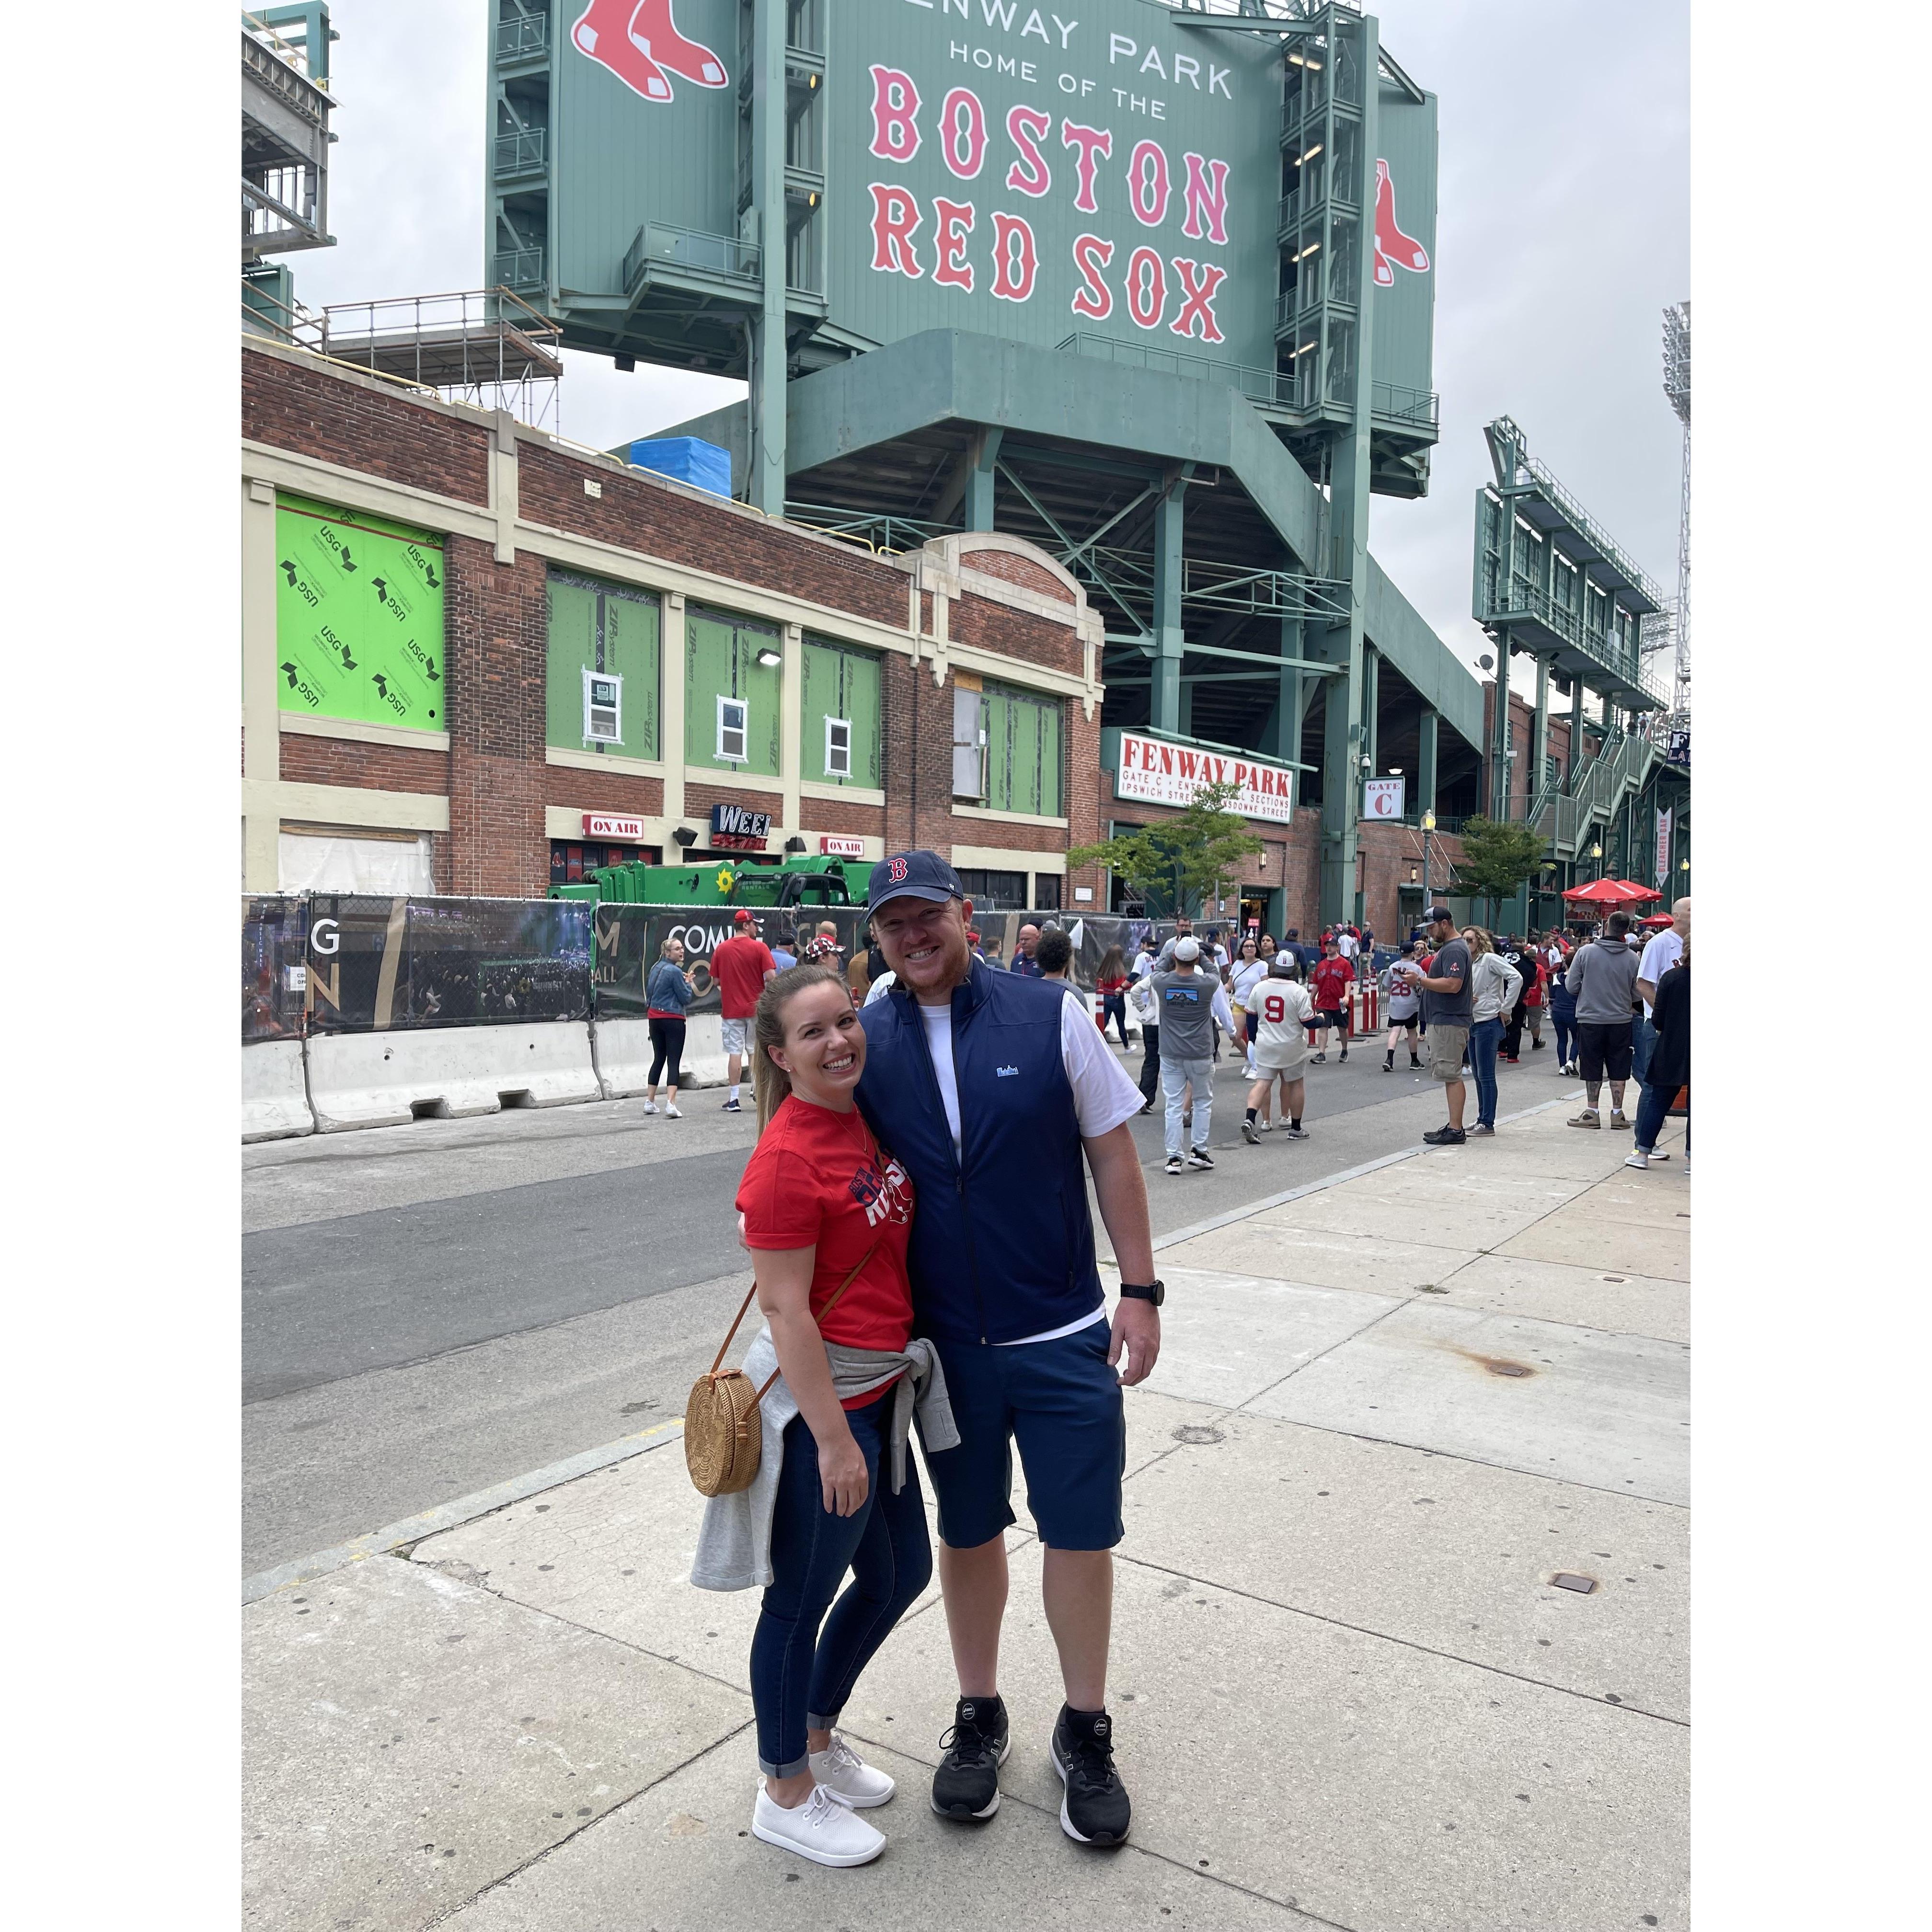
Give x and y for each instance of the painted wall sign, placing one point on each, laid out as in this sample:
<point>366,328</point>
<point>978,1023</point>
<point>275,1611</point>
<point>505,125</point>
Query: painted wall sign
<point>1163,774</point>
<point>732,826</point>
<point>841,848</point>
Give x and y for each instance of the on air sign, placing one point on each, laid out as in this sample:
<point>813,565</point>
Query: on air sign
<point>1160,773</point>
<point>837,847</point>
<point>604,825</point>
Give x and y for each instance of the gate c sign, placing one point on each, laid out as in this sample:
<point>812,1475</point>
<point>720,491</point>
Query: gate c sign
<point>1382,799</point>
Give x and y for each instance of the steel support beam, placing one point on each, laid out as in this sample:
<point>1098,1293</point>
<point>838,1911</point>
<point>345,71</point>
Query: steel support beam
<point>1499,763</point>
<point>765,486</point>
<point>1169,704</point>
<point>985,457</point>
<point>1425,760</point>
<point>1351,473</point>
<point>1539,747</point>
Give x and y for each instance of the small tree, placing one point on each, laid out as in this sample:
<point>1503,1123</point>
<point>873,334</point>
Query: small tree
<point>1188,855</point>
<point>1496,858</point>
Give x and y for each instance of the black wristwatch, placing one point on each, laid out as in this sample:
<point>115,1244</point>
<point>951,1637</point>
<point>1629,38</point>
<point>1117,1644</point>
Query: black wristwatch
<point>1155,1291</point>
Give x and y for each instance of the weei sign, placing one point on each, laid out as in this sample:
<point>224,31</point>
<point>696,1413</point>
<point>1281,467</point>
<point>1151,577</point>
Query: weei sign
<point>1159,773</point>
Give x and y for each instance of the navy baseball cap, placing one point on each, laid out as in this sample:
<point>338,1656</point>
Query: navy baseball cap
<point>912,875</point>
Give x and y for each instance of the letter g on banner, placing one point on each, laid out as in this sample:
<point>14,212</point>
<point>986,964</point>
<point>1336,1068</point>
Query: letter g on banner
<point>324,937</point>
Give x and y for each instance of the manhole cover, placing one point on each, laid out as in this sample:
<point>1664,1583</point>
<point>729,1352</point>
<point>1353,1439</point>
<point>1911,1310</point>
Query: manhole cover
<point>1197,1431</point>
<point>1568,1579</point>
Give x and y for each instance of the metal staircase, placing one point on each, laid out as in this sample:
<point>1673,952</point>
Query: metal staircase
<point>1569,815</point>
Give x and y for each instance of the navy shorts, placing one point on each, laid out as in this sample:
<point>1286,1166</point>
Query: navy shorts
<point>1060,1402</point>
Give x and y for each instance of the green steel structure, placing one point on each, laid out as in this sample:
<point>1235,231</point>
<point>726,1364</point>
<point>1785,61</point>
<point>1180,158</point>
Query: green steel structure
<point>1152,287</point>
<point>1552,585</point>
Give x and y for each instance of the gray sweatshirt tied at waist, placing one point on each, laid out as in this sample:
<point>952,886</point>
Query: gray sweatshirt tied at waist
<point>1603,978</point>
<point>734,1542</point>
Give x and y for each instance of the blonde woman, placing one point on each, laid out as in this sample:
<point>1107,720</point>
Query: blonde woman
<point>1494,984</point>
<point>667,992</point>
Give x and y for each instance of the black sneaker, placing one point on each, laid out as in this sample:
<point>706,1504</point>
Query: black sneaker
<point>1446,1137</point>
<point>1345,1054</point>
<point>731,1107</point>
<point>1173,1163</point>
<point>1095,1810</point>
<point>966,1784</point>
<point>1199,1157</point>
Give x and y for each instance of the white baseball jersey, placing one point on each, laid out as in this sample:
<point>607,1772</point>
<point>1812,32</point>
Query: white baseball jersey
<point>1284,1009</point>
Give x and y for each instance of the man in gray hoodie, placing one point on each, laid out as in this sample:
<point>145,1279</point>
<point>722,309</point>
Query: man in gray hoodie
<point>1602,979</point>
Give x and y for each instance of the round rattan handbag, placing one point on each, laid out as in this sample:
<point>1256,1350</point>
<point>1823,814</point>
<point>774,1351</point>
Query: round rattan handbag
<point>722,1437</point>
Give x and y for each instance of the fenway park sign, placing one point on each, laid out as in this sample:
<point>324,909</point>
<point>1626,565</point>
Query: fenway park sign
<point>1162,774</point>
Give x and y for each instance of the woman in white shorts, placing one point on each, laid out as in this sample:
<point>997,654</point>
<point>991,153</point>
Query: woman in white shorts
<point>1283,1013</point>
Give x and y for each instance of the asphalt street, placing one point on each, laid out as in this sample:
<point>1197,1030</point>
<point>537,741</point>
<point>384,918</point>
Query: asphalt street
<point>430,1309</point>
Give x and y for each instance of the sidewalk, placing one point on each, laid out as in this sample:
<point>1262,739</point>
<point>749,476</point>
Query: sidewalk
<point>1387,1413</point>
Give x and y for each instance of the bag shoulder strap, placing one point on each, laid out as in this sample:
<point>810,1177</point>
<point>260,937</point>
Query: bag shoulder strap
<point>744,1306</point>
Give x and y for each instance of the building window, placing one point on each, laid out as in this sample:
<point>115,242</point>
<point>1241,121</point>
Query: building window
<point>1006,748</point>
<point>603,708</point>
<point>840,712</point>
<point>996,892</point>
<point>603,672</point>
<point>1046,891</point>
<point>733,671</point>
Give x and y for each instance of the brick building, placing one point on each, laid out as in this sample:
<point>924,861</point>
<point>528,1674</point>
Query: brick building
<point>477,660</point>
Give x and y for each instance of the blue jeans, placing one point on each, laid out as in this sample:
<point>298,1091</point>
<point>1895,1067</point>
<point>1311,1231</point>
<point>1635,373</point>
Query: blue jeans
<point>1484,1038</point>
<point>1643,1043</point>
<point>1563,1018</point>
<point>1174,1076</point>
<point>1653,1109</point>
<point>801,1676</point>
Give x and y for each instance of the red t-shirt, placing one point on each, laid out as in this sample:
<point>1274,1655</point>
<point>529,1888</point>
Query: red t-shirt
<point>739,966</point>
<point>815,1179</point>
<point>1531,969</point>
<point>1331,980</point>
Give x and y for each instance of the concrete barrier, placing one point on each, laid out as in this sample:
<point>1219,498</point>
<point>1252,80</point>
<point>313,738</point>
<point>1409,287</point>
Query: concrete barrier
<point>623,1052</point>
<point>385,1079</point>
<point>274,1092</point>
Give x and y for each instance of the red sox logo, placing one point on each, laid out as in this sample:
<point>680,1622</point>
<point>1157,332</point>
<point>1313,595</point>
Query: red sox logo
<point>1394,249</point>
<point>639,42</point>
<point>896,871</point>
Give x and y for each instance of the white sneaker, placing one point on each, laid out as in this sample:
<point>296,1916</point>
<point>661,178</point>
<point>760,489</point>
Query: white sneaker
<point>1267,1126</point>
<point>650,1106</point>
<point>823,1828</point>
<point>672,1114</point>
<point>1639,1159</point>
<point>843,1772</point>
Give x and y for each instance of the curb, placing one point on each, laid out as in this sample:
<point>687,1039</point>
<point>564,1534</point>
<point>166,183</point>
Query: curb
<point>454,1515</point>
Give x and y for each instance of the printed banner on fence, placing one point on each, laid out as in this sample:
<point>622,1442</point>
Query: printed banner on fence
<point>274,967</point>
<point>629,939</point>
<point>375,963</point>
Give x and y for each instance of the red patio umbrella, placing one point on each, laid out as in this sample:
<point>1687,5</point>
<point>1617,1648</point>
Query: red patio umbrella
<point>1601,892</point>
<point>1657,920</point>
<point>1637,892</point>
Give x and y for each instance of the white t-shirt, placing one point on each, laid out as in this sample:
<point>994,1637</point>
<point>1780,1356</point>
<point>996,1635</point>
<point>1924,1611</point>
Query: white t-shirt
<point>1347,945</point>
<point>1285,1008</point>
<point>1244,977</point>
<point>1103,1097</point>
<point>881,987</point>
<point>1661,953</point>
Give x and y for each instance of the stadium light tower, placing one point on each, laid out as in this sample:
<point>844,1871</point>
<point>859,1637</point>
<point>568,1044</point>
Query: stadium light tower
<point>1677,388</point>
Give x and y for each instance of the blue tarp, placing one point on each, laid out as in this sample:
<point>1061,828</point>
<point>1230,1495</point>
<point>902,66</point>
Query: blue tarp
<point>686,459</point>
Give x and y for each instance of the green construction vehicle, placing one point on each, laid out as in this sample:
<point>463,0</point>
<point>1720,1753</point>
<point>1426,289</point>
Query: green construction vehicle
<point>797,880</point>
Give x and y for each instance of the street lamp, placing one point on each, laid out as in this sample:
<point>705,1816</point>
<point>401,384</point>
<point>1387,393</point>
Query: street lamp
<point>1596,858</point>
<point>1428,826</point>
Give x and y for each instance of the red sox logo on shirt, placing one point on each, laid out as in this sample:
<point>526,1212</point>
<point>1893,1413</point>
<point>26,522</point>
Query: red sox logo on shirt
<point>638,41</point>
<point>884,1195</point>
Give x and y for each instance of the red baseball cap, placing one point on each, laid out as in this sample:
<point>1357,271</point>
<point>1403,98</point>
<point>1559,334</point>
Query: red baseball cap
<point>741,917</point>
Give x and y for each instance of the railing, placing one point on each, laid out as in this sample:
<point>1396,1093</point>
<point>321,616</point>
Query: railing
<point>521,153</point>
<point>887,534</point>
<point>691,248</point>
<point>1418,407</point>
<point>1581,518</point>
<point>520,268</point>
<point>1530,599</point>
<point>284,68</point>
<point>526,34</point>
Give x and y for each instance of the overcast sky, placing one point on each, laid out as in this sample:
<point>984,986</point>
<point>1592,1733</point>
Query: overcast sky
<point>1563,232</point>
